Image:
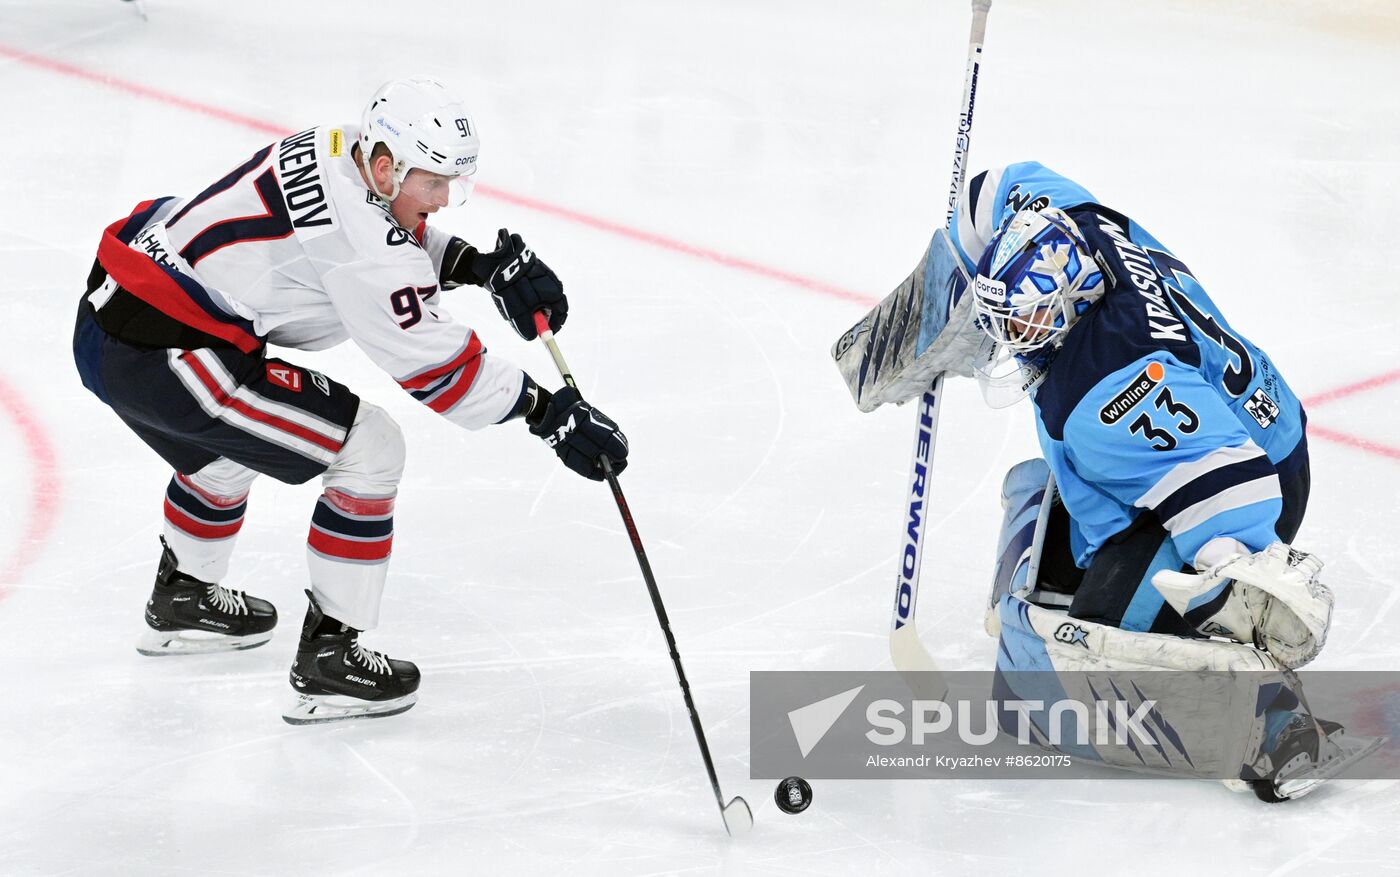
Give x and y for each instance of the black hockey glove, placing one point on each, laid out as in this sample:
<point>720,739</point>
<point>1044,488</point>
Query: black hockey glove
<point>463,264</point>
<point>580,434</point>
<point>521,284</point>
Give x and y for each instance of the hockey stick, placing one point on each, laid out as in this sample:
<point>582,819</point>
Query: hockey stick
<point>737,816</point>
<point>907,651</point>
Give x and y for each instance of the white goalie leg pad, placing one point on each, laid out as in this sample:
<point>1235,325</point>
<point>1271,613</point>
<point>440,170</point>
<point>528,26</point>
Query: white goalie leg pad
<point>1199,724</point>
<point>1271,598</point>
<point>352,528</point>
<point>1050,640</point>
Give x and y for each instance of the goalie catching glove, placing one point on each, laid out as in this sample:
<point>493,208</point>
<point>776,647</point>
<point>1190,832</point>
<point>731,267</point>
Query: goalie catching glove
<point>1271,599</point>
<point>519,282</point>
<point>579,433</point>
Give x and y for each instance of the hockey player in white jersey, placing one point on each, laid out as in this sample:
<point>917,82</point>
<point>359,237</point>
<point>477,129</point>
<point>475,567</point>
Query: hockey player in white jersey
<point>315,239</point>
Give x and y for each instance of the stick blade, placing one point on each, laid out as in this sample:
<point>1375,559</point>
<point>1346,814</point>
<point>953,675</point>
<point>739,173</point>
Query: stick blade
<point>738,818</point>
<point>910,658</point>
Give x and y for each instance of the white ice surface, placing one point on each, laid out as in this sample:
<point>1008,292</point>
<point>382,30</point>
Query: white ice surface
<point>1260,140</point>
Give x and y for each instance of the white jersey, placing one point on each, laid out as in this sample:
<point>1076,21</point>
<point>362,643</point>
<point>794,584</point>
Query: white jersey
<point>292,248</point>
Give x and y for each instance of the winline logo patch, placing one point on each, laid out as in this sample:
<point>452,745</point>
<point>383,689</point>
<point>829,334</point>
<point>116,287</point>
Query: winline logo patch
<point>1135,392</point>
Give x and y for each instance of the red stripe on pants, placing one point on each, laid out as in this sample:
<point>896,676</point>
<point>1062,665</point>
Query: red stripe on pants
<point>272,420</point>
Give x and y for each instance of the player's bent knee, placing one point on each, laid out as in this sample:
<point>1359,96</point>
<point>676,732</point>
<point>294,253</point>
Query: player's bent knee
<point>371,461</point>
<point>223,478</point>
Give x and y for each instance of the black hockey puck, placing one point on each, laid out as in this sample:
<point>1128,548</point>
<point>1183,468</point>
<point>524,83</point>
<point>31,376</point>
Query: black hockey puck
<point>793,795</point>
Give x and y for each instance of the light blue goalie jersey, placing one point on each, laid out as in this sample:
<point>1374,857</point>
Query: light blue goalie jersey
<point>1154,401</point>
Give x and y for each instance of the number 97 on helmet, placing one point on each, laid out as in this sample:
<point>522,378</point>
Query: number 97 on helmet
<point>425,126</point>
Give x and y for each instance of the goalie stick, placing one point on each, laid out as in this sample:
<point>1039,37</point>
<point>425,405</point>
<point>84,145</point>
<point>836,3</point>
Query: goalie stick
<point>907,651</point>
<point>737,816</point>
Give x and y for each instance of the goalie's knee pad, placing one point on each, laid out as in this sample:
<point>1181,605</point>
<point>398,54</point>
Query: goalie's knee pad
<point>370,463</point>
<point>1027,493</point>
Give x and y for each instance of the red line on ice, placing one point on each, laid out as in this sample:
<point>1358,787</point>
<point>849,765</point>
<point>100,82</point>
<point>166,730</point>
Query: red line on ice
<point>594,222</point>
<point>1343,438</point>
<point>46,491</point>
<point>616,228</point>
<point>1351,389</point>
<point>1334,435</point>
<point>675,246</point>
<point>139,90</point>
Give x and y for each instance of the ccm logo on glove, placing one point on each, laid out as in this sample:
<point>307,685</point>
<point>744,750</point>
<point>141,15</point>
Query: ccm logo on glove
<point>508,273</point>
<point>581,435</point>
<point>521,285</point>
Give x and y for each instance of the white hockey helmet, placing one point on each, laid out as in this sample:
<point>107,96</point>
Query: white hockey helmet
<point>424,126</point>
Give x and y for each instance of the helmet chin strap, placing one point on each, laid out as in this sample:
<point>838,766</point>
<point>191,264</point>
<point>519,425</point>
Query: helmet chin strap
<point>373,186</point>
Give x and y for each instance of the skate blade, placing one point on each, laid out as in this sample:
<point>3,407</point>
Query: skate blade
<point>1350,750</point>
<point>161,643</point>
<point>318,709</point>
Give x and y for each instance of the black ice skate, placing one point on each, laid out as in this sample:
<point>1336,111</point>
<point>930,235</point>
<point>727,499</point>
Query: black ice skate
<point>337,678</point>
<point>1300,762</point>
<point>190,617</point>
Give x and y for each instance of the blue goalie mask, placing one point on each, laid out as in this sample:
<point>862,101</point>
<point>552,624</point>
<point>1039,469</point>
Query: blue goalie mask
<point>1034,281</point>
